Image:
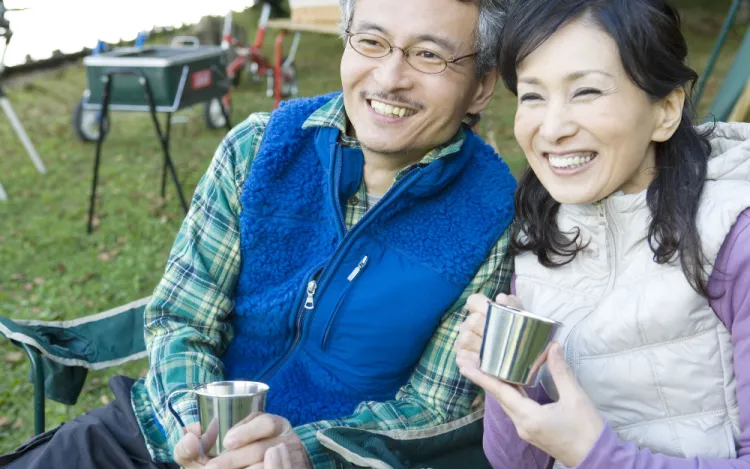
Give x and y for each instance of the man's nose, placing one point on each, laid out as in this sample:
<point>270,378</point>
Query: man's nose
<point>394,72</point>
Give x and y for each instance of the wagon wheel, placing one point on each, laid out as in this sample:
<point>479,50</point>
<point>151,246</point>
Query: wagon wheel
<point>86,122</point>
<point>212,115</point>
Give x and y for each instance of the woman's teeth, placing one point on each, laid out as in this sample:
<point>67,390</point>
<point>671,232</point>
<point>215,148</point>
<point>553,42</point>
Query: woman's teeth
<point>571,161</point>
<point>389,110</point>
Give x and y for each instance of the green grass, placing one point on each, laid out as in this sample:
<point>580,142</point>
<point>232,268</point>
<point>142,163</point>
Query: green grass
<point>50,269</point>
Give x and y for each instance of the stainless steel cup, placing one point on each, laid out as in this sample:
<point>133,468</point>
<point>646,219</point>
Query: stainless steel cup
<point>514,344</point>
<point>221,406</point>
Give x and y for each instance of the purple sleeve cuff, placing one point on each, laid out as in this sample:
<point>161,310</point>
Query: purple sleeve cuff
<point>602,454</point>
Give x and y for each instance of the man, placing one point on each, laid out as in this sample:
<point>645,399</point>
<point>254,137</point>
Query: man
<point>328,252</point>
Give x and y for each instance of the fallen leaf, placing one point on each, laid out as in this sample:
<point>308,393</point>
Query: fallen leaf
<point>14,357</point>
<point>36,310</point>
<point>163,219</point>
<point>28,286</point>
<point>89,304</point>
<point>17,276</point>
<point>106,256</point>
<point>104,399</point>
<point>39,280</point>
<point>95,381</point>
<point>61,268</point>
<point>18,424</point>
<point>121,240</point>
<point>4,421</point>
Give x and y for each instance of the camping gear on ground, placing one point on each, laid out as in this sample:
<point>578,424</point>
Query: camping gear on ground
<point>154,79</point>
<point>5,35</point>
<point>280,72</point>
<point>728,105</point>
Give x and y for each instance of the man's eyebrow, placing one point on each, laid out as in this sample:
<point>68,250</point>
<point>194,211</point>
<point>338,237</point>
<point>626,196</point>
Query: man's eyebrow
<point>367,26</point>
<point>442,41</point>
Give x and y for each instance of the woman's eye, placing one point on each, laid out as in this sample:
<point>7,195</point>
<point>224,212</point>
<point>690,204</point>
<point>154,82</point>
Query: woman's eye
<point>587,92</point>
<point>530,97</point>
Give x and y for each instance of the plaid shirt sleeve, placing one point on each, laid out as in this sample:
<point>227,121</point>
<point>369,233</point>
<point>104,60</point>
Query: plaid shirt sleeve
<point>436,392</point>
<point>185,322</point>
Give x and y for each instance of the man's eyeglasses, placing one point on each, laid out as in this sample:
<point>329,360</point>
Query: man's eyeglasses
<point>420,59</point>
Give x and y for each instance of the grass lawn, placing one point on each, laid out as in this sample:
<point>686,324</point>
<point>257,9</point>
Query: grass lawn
<point>50,269</point>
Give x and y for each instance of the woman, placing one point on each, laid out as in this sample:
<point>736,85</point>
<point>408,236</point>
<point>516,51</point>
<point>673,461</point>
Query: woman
<point>632,231</point>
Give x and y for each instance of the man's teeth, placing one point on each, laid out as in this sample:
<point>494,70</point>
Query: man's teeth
<point>571,161</point>
<point>388,110</point>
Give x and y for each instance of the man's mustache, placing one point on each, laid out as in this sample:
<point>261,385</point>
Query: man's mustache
<point>394,98</point>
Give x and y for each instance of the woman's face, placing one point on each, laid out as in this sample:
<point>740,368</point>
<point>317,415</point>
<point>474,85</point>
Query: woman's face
<point>587,130</point>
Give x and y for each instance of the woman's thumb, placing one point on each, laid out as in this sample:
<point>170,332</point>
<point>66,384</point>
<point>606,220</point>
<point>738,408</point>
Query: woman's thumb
<point>565,380</point>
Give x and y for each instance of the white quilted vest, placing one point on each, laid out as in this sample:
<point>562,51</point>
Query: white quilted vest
<point>648,350</point>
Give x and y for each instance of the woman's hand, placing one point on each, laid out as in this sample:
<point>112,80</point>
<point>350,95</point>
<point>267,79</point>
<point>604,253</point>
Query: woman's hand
<point>469,341</point>
<point>566,429</point>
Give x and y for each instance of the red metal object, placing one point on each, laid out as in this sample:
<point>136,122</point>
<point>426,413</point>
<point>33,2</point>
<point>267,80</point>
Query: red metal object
<point>279,58</point>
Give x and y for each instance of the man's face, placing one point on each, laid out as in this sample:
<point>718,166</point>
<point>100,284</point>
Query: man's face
<point>425,109</point>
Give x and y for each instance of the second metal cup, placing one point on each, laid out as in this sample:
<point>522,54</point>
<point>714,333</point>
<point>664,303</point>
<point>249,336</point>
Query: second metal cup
<point>221,406</point>
<point>514,344</point>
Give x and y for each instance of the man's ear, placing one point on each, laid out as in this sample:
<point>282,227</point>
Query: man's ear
<point>485,91</point>
<point>669,115</point>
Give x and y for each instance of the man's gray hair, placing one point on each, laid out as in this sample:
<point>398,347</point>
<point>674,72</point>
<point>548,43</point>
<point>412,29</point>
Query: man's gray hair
<point>491,19</point>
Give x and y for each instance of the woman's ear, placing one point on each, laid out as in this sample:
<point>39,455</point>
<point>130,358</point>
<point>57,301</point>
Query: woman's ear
<point>669,115</point>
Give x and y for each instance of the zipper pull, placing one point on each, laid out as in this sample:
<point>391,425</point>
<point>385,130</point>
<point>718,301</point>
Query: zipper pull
<point>311,287</point>
<point>358,269</point>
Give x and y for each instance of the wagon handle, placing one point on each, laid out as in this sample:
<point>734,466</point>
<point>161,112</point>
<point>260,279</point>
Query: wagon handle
<point>185,41</point>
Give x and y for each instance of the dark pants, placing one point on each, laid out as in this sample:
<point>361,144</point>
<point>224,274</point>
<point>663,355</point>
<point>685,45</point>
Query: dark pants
<point>105,438</point>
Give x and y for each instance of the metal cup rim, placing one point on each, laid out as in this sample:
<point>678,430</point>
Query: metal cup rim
<point>201,390</point>
<point>524,313</point>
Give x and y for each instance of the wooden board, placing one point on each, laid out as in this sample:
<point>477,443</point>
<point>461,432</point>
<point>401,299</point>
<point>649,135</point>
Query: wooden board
<point>304,28</point>
<point>316,14</point>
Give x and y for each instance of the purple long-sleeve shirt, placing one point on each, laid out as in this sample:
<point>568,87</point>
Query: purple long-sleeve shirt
<point>505,450</point>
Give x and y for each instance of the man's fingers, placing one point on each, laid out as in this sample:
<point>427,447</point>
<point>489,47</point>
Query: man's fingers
<point>278,457</point>
<point>194,428</point>
<point>261,427</point>
<point>245,456</point>
<point>188,449</point>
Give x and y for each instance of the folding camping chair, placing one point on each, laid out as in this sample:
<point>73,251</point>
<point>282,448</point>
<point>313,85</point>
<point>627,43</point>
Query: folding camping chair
<point>730,100</point>
<point>61,352</point>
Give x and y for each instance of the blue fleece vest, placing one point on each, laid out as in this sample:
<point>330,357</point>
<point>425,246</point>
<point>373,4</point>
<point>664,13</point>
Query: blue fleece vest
<point>330,318</point>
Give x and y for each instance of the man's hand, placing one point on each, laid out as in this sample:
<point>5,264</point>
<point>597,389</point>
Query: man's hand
<point>187,452</point>
<point>262,441</point>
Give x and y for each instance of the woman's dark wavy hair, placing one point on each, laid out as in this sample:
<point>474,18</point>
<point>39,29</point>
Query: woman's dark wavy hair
<point>653,51</point>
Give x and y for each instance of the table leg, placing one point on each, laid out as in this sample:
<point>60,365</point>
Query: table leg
<point>278,62</point>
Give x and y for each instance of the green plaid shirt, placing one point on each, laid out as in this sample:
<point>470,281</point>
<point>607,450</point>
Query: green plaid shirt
<point>187,327</point>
